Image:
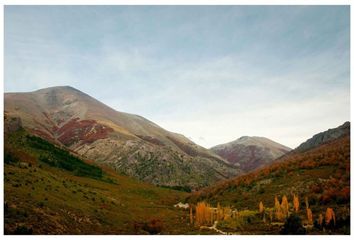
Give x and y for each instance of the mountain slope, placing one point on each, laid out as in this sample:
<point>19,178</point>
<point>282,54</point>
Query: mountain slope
<point>326,136</point>
<point>43,195</point>
<point>250,152</point>
<point>128,143</point>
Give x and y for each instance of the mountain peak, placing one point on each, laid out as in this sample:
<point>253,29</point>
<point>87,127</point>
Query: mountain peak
<point>250,152</point>
<point>64,89</point>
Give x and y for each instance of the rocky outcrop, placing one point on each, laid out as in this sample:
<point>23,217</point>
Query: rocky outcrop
<point>324,137</point>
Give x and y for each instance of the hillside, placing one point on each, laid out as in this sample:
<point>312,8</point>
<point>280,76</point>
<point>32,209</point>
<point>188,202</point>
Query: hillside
<point>127,143</point>
<point>50,191</point>
<point>250,153</point>
<point>320,174</point>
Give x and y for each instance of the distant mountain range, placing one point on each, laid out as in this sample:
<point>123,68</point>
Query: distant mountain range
<point>250,153</point>
<point>128,143</point>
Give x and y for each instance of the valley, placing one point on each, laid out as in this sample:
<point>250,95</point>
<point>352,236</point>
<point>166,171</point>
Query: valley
<point>81,176</point>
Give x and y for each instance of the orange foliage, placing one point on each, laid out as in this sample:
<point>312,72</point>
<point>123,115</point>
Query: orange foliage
<point>227,213</point>
<point>278,211</point>
<point>309,216</point>
<point>203,214</point>
<point>191,214</point>
<point>296,203</point>
<point>330,216</point>
<point>320,219</point>
<point>219,212</point>
<point>261,207</point>
<point>285,206</point>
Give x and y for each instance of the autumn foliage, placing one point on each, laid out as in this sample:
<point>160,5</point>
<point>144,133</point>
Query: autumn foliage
<point>320,219</point>
<point>205,214</point>
<point>309,216</point>
<point>330,216</point>
<point>285,206</point>
<point>296,203</point>
<point>277,210</point>
<point>261,207</point>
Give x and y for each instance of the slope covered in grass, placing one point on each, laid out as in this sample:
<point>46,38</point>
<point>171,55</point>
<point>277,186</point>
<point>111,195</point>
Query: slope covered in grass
<point>44,195</point>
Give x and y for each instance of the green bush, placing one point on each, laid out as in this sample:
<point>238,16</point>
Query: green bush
<point>57,157</point>
<point>293,226</point>
<point>23,230</point>
<point>10,158</point>
<point>178,188</point>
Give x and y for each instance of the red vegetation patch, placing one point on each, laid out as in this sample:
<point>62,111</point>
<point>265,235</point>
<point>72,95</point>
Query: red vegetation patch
<point>151,140</point>
<point>86,131</point>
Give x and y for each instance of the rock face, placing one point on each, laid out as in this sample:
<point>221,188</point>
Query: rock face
<point>128,143</point>
<point>324,137</point>
<point>250,153</point>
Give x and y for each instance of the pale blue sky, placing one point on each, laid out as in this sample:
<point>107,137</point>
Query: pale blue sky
<point>212,73</point>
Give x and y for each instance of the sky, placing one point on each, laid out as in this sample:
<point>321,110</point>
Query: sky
<point>211,73</point>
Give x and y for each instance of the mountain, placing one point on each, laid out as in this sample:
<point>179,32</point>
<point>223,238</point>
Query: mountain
<point>128,143</point>
<point>326,136</point>
<point>319,176</point>
<point>250,152</point>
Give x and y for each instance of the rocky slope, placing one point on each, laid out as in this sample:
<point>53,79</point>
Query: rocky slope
<point>326,136</point>
<point>128,143</point>
<point>250,153</point>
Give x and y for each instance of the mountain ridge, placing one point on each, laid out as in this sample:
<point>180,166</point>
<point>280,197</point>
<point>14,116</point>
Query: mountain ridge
<point>325,136</point>
<point>126,142</point>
